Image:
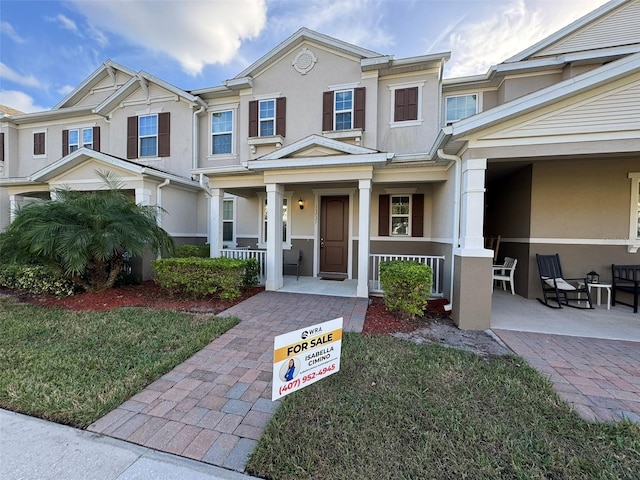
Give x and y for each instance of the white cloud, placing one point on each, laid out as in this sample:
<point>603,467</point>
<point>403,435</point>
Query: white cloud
<point>65,90</point>
<point>194,33</point>
<point>478,45</point>
<point>65,22</point>
<point>7,73</point>
<point>7,29</point>
<point>19,100</point>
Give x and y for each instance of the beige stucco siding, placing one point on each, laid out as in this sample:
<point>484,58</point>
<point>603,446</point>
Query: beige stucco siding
<point>518,86</point>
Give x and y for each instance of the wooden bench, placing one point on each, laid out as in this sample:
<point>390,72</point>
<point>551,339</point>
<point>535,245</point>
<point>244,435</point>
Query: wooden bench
<point>626,278</point>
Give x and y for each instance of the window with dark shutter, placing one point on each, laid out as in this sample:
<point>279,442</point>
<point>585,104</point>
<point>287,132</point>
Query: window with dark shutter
<point>281,116</point>
<point>164,134</point>
<point>406,104</point>
<point>359,103</point>
<point>38,143</point>
<point>1,146</point>
<point>383,215</point>
<point>65,142</point>
<point>132,137</point>
<point>417,215</point>
<point>96,139</point>
<point>253,118</point>
<point>327,111</point>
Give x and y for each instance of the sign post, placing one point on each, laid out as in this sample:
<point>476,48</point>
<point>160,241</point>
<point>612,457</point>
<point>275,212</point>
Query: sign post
<point>304,356</point>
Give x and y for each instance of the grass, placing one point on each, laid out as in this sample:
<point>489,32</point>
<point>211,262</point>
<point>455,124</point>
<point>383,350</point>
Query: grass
<point>74,367</point>
<point>397,410</point>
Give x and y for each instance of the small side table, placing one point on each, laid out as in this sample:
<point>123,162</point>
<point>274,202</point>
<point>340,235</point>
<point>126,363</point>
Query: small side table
<point>599,287</point>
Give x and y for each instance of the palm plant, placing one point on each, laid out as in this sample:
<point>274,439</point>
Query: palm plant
<point>86,234</point>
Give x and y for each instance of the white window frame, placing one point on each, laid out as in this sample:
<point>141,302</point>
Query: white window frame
<point>448,120</point>
<point>406,123</point>
<point>267,119</point>
<point>230,243</point>
<point>262,219</point>
<point>392,215</point>
<point>141,136</point>
<point>80,131</point>
<point>634,215</point>
<point>230,132</point>
<point>40,155</point>
<point>351,111</point>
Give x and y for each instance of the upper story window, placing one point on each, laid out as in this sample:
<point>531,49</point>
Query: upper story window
<point>406,104</point>
<point>343,109</point>
<point>149,135</point>
<point>267,117</point>
<point>74,138</point>
<point>222,132</point>
<point>460,106</point>
<point>401,214</point>
<point>39,143</point>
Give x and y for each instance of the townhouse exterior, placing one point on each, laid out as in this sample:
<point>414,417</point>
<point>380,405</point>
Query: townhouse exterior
<point>364,156</point>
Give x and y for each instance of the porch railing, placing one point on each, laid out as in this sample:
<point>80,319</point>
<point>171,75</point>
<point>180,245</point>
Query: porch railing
<point>244,254</point>
<point>435,262</point>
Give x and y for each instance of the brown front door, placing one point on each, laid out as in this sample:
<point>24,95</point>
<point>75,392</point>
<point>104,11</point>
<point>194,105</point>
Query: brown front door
<point>334,234</point>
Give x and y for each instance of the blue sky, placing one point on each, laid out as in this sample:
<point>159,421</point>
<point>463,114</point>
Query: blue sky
<point>49,47</point>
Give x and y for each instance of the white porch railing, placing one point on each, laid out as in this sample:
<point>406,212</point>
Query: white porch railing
<point>435,262</point>
<point>244,254</point>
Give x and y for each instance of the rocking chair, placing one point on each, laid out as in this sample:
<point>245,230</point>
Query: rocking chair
<point>557,288</point>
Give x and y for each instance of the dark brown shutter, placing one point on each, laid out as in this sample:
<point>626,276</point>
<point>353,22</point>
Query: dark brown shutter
<point>383,215</point>
<point>65,142</point>
<point>164,134</point>
<point>400,108</point>
<point>38,143</point>
<point>359,102</point>
<point>96,139</point>
<point>253,118</point>
<point>412,103</point>
<point>281,116</point>
<point>327,111</point>
<point>417,215</point>
<point>1,146</point>
<point>132,137</point>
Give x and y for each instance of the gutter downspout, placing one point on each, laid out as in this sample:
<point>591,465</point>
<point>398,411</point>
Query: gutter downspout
<point>456,215</point>
<point>194,160</point>
<point>159,200</point>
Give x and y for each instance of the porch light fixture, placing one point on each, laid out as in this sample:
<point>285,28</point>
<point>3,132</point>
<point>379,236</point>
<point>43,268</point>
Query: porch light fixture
<point>593,277</point>
<point>301,203</point>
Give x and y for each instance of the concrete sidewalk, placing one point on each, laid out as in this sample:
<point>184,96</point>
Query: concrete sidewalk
<point>31,448</point>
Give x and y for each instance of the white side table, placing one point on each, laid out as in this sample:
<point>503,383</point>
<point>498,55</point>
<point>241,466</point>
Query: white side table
<point>599,287</point>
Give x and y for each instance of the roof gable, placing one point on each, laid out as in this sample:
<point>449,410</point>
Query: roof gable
<point>614,24</point>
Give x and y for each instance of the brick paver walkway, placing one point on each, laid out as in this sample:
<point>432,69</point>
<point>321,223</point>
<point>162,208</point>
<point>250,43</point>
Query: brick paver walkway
<point>599,378</point>
<point>214,406</point>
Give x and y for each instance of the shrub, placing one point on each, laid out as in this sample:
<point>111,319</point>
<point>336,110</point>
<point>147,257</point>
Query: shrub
<point>186,251</point>
<point>199,277</point>
<point>36,279</point>
<point>406,286</point>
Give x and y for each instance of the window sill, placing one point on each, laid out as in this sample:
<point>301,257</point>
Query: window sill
<point>351,134</point>
<point>407,123</point>
<point>222,156</point>
<point>276,140</point>
<point>39,157</point>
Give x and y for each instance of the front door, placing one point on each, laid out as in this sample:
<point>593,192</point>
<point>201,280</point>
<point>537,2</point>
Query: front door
<point>334,234</point>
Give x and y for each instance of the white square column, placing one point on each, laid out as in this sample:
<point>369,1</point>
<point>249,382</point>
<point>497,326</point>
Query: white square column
<point>275,195</point>
<point>472,204</point>
<point>364,222</point>
<point>215,222</point>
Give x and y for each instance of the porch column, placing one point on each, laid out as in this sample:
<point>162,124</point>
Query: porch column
<point>364,220</point>
<point>143,196</point>
<point>275,194</point>
<point>215,222</point>
<point>472,268</point>
<point>13,207</point>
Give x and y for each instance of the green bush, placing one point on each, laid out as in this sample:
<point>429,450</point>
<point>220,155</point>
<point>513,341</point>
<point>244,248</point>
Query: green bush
<point>200,277</point>
<point>186,251</point>
<point>35,279</point>
<point>406,286</point>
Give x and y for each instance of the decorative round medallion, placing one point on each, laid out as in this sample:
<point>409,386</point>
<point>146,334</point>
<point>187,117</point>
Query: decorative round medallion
<point>304,61</point>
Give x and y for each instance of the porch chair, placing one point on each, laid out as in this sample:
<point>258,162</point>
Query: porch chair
<point>493,243</point>
<point>292,258</point>
<point>504,273</point>
<point>557,288</point>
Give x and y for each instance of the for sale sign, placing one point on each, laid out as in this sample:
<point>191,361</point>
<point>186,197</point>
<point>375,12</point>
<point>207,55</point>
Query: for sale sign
<point>305,356</point>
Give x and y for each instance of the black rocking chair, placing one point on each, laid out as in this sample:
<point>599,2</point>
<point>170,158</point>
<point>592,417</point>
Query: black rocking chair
<point>557,288</point>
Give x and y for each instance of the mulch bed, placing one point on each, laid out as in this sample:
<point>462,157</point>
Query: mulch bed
<point>378,319</point>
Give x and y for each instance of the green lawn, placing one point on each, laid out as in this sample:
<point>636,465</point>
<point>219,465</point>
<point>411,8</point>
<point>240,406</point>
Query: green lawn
<point>397,410</point>
<point>74,367</point>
